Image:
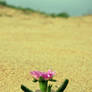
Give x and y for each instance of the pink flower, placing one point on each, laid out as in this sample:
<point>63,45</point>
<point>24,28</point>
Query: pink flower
<point>45,75</point>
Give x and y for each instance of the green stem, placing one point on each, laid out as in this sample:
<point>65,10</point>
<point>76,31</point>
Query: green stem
<point>43,86</point>
<point>49,88</point>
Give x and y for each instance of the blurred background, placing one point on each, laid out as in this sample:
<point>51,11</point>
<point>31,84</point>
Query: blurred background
<point>72,7</point>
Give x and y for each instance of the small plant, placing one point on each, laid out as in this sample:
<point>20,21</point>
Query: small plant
<point>53,15</point>
<point>43,78</point>
<point>65,15</point>
<point>3,3</point>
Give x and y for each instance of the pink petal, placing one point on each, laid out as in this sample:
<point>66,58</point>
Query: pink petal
<point>46,75</point>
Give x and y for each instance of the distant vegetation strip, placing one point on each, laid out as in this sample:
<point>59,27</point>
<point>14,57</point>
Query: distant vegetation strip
<point>28,10</point>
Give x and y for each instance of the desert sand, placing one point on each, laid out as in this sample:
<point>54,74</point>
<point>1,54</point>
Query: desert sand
<point>36,42</point>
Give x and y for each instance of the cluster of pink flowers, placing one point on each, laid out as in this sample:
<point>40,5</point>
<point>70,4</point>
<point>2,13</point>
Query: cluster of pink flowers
<point>45,75</point>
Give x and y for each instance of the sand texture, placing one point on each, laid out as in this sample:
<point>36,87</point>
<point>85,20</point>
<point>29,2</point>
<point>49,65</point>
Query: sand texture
<point>35,42</point>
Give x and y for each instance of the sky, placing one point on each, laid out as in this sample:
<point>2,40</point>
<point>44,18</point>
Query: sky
<point>72,7</point>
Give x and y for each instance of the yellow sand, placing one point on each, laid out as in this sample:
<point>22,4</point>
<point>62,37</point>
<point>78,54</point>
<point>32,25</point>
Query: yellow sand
<point>35,42</point>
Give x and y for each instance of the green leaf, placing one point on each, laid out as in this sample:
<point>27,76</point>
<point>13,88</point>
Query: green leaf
<point>49,88</point>
<point>25,89</point>
<point>63,86</point>
<point>34,80</point>
<point>53,80</point>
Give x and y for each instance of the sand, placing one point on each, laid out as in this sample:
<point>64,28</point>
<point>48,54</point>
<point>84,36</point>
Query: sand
<point>36,42</point>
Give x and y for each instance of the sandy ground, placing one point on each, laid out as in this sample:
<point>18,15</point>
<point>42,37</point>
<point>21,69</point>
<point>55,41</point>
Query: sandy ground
<point>34,42</point>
